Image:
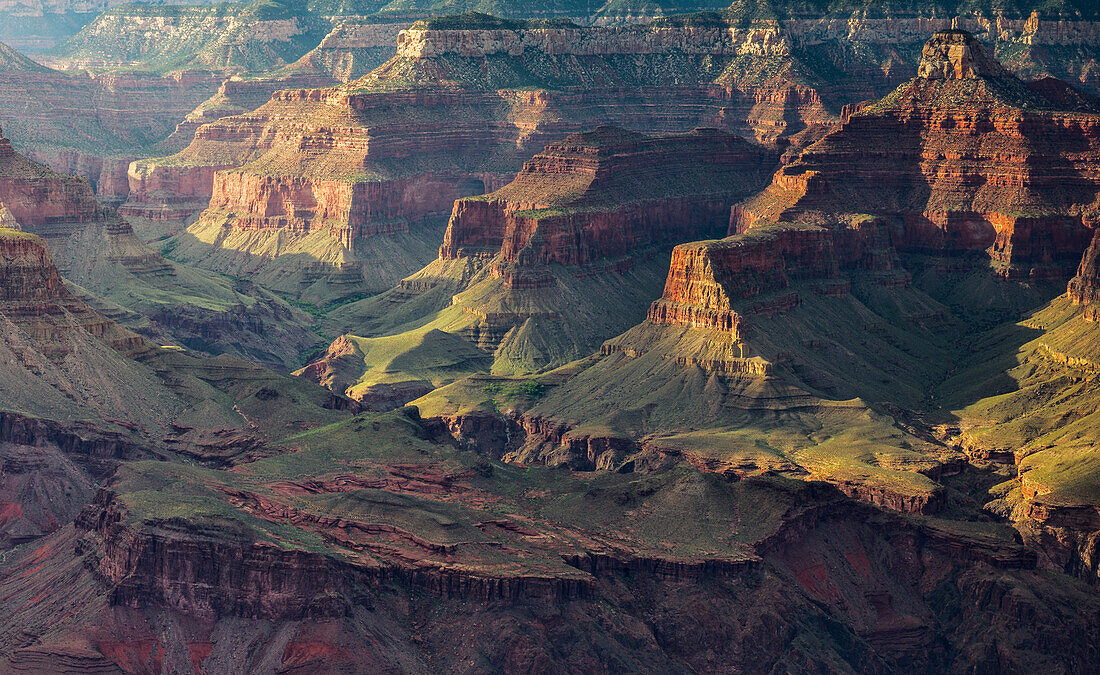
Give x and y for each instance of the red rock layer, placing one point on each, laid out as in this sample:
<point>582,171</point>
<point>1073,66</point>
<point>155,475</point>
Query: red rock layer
<point>1084,289</point>
<point>964,157</point>
<point>455,136</point>
<point>605,194</point>
<point>92,126</point>
<point>38,197</point>
<point>347,211</point>
<point>208,578</point>
<point>707,279</point>
<point>34,298</point>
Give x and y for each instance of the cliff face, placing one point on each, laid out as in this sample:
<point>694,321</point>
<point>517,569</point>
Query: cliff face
<point>604,194</point>
<point>37,197</point>
<point>93,125</point>
<point>964,157</point>
<point>313,552</point>
<point>452,115</point>
<point>461,106</point>
<point>99,251</point>
<point>706,278</point>
<point>1084,289</point>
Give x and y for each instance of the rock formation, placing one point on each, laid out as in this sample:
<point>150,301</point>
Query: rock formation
<point>856,434</point>
<point>369,157</point>
<point>313,553</point>
<point>99,251</point>
<point>976,160</point>
<point>842,276</point>
<point>603,194</point>
<point>541,271</point>
<point>1084,289</point>
<point>94,125</point>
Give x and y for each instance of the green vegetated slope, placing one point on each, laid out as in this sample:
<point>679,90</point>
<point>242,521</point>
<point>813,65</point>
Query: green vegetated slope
<point>591,247</point>
<point>253,37</point>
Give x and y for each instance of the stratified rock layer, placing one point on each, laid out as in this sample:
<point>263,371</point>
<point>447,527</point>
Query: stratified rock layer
<point>963,158</point>
<point>604,194</point>
<point>99,251</point>
<point>568,254</point>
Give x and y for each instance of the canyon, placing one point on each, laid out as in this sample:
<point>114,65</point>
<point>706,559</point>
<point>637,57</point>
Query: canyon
<point>761,341</point>
<point>541,271</point>
<point>347,158</point>
<point>897,243</point>
<point>99,251</point>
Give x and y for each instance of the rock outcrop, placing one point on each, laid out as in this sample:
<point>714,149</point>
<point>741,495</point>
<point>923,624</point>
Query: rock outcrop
<point>98,250</point>
<point>1084,289</point>
<point>94,125</point>
<point>568,254</point>
<point>443,120</point>
<point>965,157</point>
<point>603,194</point>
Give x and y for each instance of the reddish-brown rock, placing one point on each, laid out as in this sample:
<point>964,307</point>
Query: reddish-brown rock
<point>964,157</point>
<point>94,125</point>
<point>605,194</point>
<point>1084,289</point>
<point>706,278</point>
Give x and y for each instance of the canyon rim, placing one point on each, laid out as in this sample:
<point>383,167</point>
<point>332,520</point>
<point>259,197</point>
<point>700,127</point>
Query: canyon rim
<point>669,336</point>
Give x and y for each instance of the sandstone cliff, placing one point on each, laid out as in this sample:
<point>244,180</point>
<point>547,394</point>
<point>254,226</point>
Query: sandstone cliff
<point>501,89</point>
<point>99,251</point>
<point>94,125</point>
<point>427,128</point>
<point>541,271</point>
<point>976,160</point>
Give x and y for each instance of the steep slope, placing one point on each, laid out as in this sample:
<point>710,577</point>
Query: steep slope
<point>822,345</point>
<point>79,393</point>
<point>976,160</point>
<point>569,253</point>
<point>170,303</point>
<point>455,113</point>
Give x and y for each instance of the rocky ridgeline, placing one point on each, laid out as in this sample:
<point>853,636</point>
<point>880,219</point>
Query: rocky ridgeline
<point>975,160</point>
<point>660,77</point>
<point>606,194</point>
<point>95,125</point>
<point>457,125</point>
<point>762,37</point>
<point>714,40</point>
